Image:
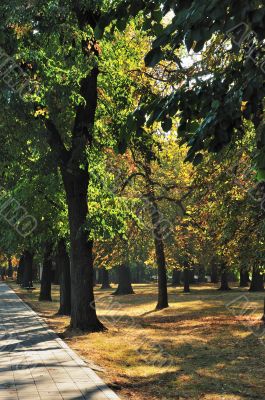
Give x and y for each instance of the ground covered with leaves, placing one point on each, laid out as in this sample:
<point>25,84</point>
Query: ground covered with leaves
<point>208,345</point>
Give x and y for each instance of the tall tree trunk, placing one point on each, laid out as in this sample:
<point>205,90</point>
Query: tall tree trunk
<point>214,272</point>
<point>20,270</point>
<point>125,281</point>
<point>244,278</point>
<point>10,269</point>
<point>83,310</point>
<point>105,279</point>
<point>186,278</point>
<point>28,270</point>
<point>63,266</point>
<point>224,279</point>
<point>46,278</point>
<point>176,274</point>
<point>257,283</point>
<point>56,274</point>
<point>158,242</point>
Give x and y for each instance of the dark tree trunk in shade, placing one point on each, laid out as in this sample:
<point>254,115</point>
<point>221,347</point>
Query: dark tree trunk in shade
<point>201,274</point>
<point>10,269</point>
<point>192,275</point>
<point>186,275</point>
<point>263,317</point>
<point>257,282</point>
<point>83,310</point>
<point>224,279</point>
<point>125,281</point>
<point>105,279</point>
<point>244,278</point>
<point>56,273</point>
<point>158,241</point>
<point>214,273</point>
<point>28,270</point>
<point>46,278</point>
<point>74,171</point>
<point>63,265</point>
<point>176,274</point>
<point>20,270</point>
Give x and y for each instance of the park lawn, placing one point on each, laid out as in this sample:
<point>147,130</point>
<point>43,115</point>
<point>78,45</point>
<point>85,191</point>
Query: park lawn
<point>208,345</point>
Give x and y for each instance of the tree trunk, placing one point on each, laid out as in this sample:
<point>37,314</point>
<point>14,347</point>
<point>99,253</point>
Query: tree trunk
<point>83,310</point>
<point>244,278</point>
<point>63,266</point>
<point>176,274</point>
<point>28,270</point>
<point>125,282</point>
<point>10,269</point>
<point>263,317</point>
<point>186,278</point>
<point>46,279</point>
<point>224,279</point>
<point>20,270</point>
<point>158,242</point>
<point>105,279</point>
<point>56,274</point>
<point>214,273</point>
<point>257,283</point>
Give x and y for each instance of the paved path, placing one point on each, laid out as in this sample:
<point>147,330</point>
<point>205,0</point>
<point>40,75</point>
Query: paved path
<point>35,364</point>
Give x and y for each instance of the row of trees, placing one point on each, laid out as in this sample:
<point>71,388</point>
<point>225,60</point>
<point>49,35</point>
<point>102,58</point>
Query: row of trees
<point>95,147</point>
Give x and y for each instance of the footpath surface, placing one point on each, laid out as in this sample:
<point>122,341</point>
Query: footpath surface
<point>36,364</point>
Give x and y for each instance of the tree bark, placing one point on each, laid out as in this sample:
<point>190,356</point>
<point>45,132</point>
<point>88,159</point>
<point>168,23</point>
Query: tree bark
<point>105,279</point>
<point>63,265</point>
<point>83,311</point>
<point>244,278</point>
<point>10,269</point>
<point>257,283</point>
<point>74,170</point>
<point>186,278</point>
<point>158,242</point>
<point>28,270</point>
<point>125,281</point>
<point>214,273</point>
<point>224,279</point>
<point>20,270</point>
<point>176,274</point>
<point>46,279</point>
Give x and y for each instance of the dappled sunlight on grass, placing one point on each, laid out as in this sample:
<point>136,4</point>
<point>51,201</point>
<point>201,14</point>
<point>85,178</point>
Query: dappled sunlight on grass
<point>202,347</point>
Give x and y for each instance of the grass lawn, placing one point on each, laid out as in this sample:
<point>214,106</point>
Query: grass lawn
<point>202,347</point>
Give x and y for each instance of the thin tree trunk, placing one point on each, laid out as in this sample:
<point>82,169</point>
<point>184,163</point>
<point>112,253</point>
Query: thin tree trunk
<point>46,279</point>
<point>224,279</point>
<point>83,310</point>
<point>28,270</point>
<point>186,278</point>
<point>214,273</point>
<point>263,317</point>
<point>176,274</point>
<point>63,265</point>
<point>158,242</point>
<point>20,270</point>
<point>257,283</point>
<point>244,278</point>
<point>105,279</point>
<point>125,281</point>
<point>10,269</point>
